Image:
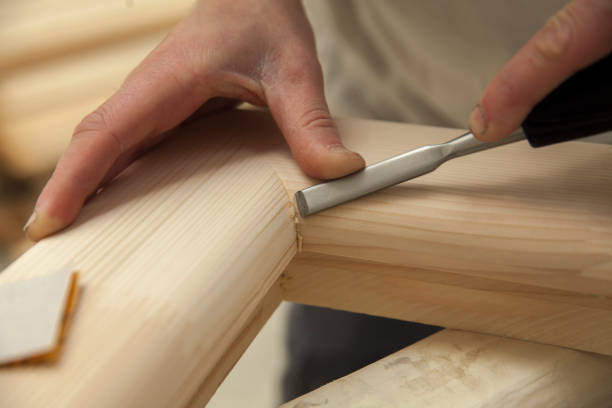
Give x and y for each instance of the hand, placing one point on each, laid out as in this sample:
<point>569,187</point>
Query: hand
<point>575,37</point>
<point>259,51</point>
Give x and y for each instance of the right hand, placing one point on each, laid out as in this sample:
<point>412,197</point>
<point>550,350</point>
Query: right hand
<point>258,51</point>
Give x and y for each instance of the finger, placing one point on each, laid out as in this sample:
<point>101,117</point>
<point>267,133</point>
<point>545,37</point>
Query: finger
<point>297,102</point>
<point>213,105</point>
<point>154,98</point>
<point>575,37</point>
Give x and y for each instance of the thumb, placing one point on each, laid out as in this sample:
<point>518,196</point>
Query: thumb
<point>297,103</point>
<point>575,37</point>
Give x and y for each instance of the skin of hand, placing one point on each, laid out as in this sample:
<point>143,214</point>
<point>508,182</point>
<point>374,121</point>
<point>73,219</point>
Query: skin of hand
<point>258,51</point>
<point>575,37</point>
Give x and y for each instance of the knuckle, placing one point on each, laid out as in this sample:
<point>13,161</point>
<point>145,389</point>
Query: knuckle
<point>298,68</point>
<point>294,73</point>
<point>554,40</point>
<point>97,124</point>
<point>316,118</point>
<point>96,121</point>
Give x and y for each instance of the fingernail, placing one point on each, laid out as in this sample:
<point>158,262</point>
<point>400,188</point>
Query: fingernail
<point>338,148</point>
<point>341,164</point>
<point>41,225</point>
<point>478,121</point>
<point>29,221</point>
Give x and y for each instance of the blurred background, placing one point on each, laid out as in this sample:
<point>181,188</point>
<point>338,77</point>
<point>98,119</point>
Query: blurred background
<point>59,60</point>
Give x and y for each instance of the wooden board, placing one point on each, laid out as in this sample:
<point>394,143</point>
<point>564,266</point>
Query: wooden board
<point>460,369</point>
<point>514,241</point>
<point>178,254</point>
<point>176,259</point>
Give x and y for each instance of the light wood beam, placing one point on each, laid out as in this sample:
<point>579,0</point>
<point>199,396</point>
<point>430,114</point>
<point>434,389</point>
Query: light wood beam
<point>460,369</point>
<point>178,259</point>
<point>178,254</point>
<point>513,241</point>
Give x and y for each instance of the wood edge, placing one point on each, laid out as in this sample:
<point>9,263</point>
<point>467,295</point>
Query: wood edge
<point>267,306</point>
<point>387,294</point>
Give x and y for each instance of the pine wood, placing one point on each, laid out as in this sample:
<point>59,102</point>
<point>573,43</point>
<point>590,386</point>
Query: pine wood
<point>177,258</point>
<point>259,318</point>
<point>179,253</point>
<point>514,241</point>
<point>460,369</point>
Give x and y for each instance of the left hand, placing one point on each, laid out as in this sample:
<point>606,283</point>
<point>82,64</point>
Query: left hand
<point>575,37</point>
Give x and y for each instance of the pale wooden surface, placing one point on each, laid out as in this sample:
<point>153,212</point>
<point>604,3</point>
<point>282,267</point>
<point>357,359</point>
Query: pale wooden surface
<point>238,345</point>
<point>255,380</point>
<point>514,241</point>
<point>178,254</point>
<point>176,257</point>
<point>460,369</point>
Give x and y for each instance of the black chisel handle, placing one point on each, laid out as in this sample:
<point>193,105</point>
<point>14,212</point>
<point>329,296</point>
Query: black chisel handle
<point>581,106</point>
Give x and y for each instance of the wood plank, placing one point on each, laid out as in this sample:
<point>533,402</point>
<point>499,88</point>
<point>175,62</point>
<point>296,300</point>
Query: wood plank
<point>514,241</point>
<point>460,369</point>
<point>178,253</point>
<point>176,258</point>
<point>239,345</point>
<point>529,312</point>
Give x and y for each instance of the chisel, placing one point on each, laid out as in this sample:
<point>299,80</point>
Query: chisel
<point>579,107</point>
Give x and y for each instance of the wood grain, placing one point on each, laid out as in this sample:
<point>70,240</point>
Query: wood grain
<point>260,316</point>
<point>514,241</point>
<point>176,257</point>
<point>179,253</point>
<point>460,369</point>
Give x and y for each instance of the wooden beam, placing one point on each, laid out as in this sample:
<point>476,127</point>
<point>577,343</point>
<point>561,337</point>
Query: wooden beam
<point>239,345</point>
<point>513,241</point>
<point>460,369</point>
<point>178,259</point>
<point>181,250</point>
